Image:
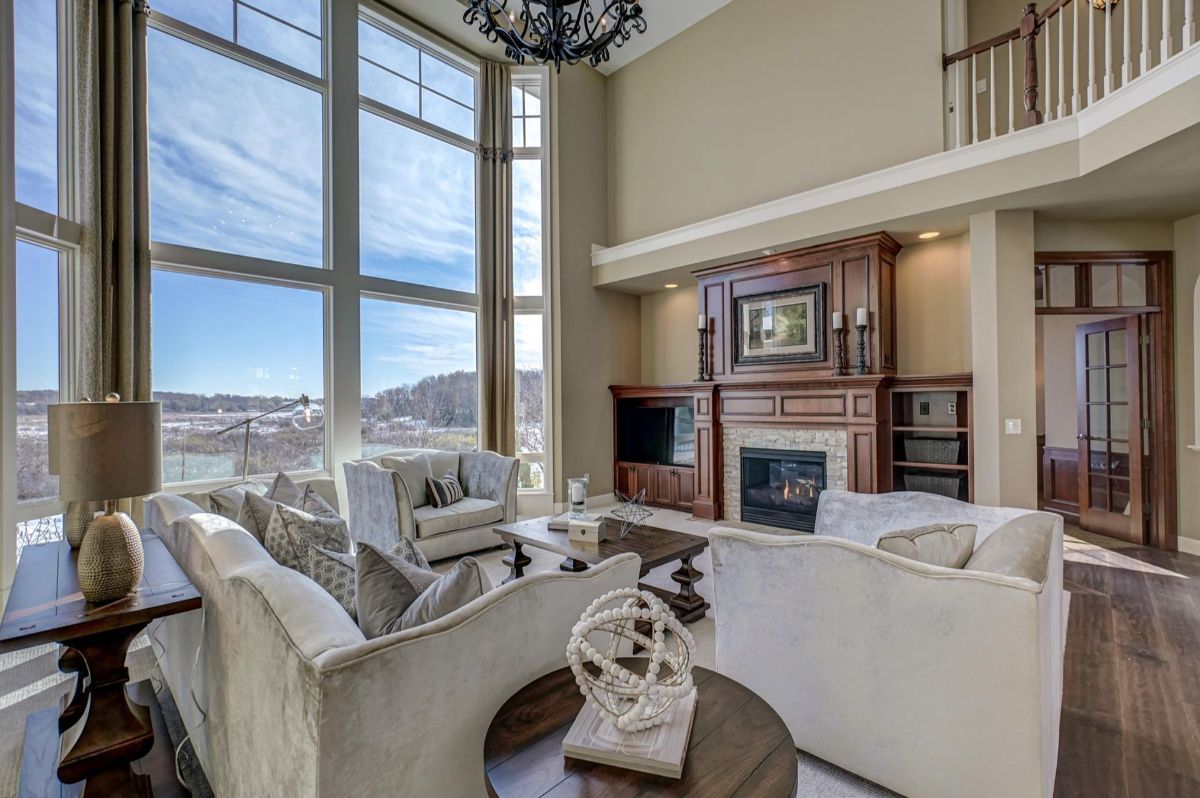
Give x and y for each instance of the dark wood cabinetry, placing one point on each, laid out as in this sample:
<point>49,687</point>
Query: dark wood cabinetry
<point>931,447</point>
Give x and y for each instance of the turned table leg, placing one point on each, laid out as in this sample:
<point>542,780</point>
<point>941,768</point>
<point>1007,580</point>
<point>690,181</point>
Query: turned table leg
<point>516,562</point>
<point>572,565</point>
<point>687,604</point>
<point>116,730</point>
<point>71,661</point>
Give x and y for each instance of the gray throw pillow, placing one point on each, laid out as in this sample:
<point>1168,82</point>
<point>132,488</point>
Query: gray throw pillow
<point>228,502</point>
<point>456,588</point>
<point>285,490</point>
<point>407,549</point>
<point>946,545</point>
<point>290,532</point>
<point>334,571</point>
<point>414,471</point>
<point>313,502</point>
<point>201,500</point>
<point>255,514</point>
<point>386,586</point>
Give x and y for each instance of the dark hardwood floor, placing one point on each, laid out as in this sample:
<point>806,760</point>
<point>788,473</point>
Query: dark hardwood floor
<point>1131,701</point>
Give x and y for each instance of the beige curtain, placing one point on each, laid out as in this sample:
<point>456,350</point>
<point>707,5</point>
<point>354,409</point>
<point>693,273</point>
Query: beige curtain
<point>498,425</point>
<point>114,200</point>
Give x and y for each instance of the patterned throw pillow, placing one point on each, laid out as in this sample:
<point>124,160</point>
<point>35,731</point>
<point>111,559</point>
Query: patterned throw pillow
<point>313,502</point>
<point>290,532</point>
<point>335,572</point>
<point>445,491</point>
<point>407,550</point>
<point>285,490</point>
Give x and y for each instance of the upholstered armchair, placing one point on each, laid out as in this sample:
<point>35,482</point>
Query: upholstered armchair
<point>387,499</point>
<point>931,681</point>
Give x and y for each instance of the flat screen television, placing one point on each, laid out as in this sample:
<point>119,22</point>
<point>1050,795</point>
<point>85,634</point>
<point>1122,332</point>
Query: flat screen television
<point>656,435</point>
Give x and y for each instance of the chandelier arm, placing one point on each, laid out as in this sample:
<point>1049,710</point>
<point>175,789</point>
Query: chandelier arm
<point>553,33</point>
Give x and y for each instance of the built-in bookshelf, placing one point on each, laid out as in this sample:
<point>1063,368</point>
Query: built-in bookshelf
<point>931,435</point>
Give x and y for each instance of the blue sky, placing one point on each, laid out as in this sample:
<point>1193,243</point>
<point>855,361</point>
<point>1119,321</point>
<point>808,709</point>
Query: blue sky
<point>237,165</point>
<point>37,317</point>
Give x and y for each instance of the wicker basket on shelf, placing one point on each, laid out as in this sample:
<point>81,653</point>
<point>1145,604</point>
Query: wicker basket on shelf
<point>943,451</point>
<point>927,482</point>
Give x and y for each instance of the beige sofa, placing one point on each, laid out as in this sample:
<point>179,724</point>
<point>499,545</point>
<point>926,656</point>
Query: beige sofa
<point>382,508</point>
<point>299,704</point>
<point>933,682</point>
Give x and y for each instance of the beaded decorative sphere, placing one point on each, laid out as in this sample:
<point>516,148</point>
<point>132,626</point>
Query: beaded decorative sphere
<point>631,701</point>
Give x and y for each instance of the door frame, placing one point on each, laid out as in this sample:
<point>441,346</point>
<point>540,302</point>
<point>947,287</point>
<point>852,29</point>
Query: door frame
<point>1162,483</point>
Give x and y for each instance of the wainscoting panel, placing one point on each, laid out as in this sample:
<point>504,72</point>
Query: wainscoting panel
<point>1060,481</point>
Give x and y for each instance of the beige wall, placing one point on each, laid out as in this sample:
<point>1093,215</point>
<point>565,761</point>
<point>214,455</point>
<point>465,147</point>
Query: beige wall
<point>596,332</point>
<point>1187,378</point>
<point>1003,355</point>
<point>933,307</point>
<point>766,98</point>
<point>1061,423</point>
<point>669,340</point>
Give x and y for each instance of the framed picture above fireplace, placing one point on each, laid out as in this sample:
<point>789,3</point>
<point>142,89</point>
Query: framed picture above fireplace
<point>780,327</point>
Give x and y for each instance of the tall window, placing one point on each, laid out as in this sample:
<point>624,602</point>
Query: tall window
<point>237,163</point>
<point>417,200</point>
<point>43,260</point>
<point>529,258</point>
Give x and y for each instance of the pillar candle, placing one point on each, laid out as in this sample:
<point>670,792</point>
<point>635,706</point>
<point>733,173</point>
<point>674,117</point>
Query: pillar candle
<point>862,317</point>
<point>839,320</point>
<point>702,324</point>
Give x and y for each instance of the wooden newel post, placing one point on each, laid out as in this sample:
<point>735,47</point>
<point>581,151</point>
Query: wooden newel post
<point>1029,32</point>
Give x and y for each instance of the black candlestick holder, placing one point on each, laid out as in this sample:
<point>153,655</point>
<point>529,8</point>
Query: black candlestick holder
<point>702,371</point>
<point>861,367</point>
<point>839,353</point>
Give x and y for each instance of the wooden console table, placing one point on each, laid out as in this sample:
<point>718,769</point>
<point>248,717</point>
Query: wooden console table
<point>113,741</point>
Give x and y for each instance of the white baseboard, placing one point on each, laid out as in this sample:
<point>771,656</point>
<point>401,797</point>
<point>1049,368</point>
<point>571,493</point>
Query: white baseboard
<point>1188,545</point>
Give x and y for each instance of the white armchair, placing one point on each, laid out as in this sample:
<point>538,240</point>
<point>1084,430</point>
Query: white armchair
<point>930,681</point>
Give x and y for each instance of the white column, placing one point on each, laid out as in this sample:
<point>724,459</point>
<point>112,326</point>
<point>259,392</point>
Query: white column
<point>1003,355</point>
<point>8,311</point>
<point>344,397</point>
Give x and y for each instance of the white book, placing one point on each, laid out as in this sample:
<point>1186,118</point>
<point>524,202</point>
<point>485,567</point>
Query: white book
<point>660,750</point>
<point>560,522</point>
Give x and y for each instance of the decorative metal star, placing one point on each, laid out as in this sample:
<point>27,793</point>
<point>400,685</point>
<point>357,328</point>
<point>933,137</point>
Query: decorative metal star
<point>632,511</point>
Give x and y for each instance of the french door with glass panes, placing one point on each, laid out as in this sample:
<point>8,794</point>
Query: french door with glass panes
<point>1111,439</point>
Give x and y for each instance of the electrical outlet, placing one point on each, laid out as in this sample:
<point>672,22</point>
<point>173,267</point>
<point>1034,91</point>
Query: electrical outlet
<point>923,409</point>
<point>952,408</point>
<point>981,86</point>
<point>1012,426</point>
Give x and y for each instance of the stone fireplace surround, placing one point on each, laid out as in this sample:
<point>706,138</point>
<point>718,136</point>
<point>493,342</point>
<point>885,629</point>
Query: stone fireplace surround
<point>833,442</point>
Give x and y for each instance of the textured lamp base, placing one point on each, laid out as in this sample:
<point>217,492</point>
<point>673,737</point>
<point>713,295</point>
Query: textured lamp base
<point>77,519</point>
<point>111,562</point>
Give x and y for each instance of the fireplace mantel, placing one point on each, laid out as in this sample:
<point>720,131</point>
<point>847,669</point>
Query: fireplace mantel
<point>859,406</point>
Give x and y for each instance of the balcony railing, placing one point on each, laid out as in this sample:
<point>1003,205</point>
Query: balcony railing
<point>1060,61</point>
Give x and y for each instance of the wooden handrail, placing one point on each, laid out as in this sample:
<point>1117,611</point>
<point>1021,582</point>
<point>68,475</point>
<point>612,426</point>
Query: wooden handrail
<point>982,47</point>
<point>1051,10</point>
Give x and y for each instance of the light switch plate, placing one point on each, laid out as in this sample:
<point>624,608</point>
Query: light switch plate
<point>1012,426</point>
<point>981,86</point>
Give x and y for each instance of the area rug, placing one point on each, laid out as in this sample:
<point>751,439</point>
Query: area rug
<point>30,681</point>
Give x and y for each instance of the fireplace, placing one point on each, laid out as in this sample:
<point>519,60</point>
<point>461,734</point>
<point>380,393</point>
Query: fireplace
<point>781,488</point>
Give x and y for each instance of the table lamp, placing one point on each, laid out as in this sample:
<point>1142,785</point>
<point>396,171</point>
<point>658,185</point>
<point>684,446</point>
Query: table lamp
<point>105,451</point>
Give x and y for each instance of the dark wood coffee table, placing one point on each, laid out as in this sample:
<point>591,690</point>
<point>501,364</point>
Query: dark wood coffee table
<point>739,746</point>
<point>655,546</point>
<point>117,742</point>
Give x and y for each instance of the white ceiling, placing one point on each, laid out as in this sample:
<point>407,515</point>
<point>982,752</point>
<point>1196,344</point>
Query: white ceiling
<point>665,19</point>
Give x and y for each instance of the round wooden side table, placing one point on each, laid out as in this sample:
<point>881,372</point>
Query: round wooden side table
<point>739,747</point>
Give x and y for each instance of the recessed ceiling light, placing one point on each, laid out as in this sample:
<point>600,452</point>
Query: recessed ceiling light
<point>671,285</point>
<point>932,234</point>
<point>769,252</point>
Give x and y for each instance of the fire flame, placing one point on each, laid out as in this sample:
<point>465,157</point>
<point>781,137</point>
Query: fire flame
<point>805,488</point>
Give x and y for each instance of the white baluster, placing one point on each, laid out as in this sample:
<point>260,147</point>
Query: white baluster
<point>1075,55</point>
<point>1091,92</point>
<point>992,95</point>
<point>1145,36</point>
<point>1012,89</point>
<point>1126,64</point>
<point>1062,67</point>
<point>1108,61</point>
<point>1189,23</point>
<point>1168,44</point>
<point>960,125</point>
<point>974,101</point>
<point>1048,83</point>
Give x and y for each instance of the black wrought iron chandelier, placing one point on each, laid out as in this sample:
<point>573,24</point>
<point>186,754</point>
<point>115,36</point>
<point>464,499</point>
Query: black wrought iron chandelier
<point>554,31</point>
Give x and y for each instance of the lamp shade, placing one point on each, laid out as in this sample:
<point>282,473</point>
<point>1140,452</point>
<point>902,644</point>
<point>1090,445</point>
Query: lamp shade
<point>106,450</point>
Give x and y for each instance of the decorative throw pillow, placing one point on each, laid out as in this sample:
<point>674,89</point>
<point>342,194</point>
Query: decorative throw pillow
<point>228,502</point>
<point>414,471</point>
<point>947,545</point>
<point>313,502</point>
<point>407,550</point>
<point>255,514</point>
<point>456,588</point>
<point>334,571</point>
<point>445,491</point>
<point>201,500</point>
<point>290,532</point>
<point>386,586</point>
<point>285,491</point>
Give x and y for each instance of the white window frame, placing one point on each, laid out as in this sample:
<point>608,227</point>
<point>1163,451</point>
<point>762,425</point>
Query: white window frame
<point>524,305</point>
